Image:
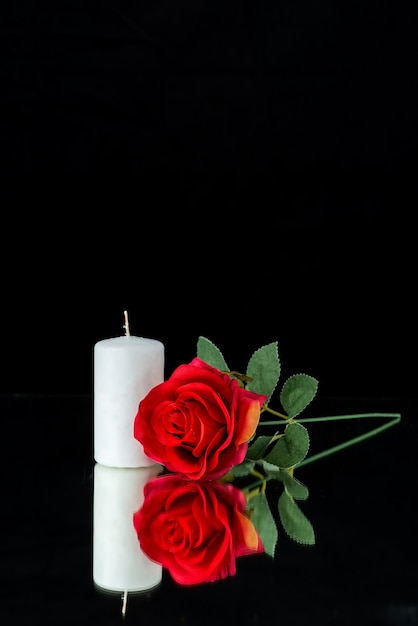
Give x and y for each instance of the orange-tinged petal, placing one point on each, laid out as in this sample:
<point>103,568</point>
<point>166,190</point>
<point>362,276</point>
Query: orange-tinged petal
<point>250,422</point>
<point>249,534</point>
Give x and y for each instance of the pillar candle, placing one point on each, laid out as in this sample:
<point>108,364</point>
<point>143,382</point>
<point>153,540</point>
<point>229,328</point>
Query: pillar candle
<point>119,565</point>
<point>125,370</point>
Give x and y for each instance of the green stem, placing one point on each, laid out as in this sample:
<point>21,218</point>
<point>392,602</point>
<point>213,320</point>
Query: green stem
<point>247,490</point>
<point>269,410</point>
<point>333,418</point>
<point>395,419</point>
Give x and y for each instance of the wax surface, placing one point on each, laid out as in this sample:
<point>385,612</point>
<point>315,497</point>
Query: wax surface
<point>125,369</point>
<point>118,561</point>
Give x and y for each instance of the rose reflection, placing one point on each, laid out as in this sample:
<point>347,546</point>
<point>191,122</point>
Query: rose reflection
<point>195,529</point>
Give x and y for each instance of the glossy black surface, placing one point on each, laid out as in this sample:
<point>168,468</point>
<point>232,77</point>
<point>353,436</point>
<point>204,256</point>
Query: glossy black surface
<point>362,570</point>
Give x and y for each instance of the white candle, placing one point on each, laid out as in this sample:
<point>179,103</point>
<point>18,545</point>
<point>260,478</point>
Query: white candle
<point>125,370</point>
<point>119,564</point>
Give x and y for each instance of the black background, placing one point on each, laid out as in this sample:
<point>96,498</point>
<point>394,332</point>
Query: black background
<point>240,170</point>
<point>243,171</point>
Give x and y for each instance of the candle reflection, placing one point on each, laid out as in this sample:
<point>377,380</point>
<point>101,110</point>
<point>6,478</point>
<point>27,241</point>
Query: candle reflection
<point>119,564</point>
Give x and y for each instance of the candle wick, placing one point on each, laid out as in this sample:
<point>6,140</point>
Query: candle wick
<point>126,324</point>
<point>125,601</point>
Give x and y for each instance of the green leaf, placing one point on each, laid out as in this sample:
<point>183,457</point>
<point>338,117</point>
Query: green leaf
<point>295,488</point>
<point>294,522</point>
<point>242,469</point>
<point>291,448</point>
<point>263,520</point>
<point>298,391</point>
<point>272,471</point>
<point>210,354</point>
<point>258,447</point>
<point>264,368</point>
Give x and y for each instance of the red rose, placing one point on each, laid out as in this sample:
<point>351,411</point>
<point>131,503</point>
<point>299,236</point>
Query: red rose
<point>195,529</point>
<point>198,422</point>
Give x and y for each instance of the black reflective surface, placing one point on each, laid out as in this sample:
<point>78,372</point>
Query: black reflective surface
<point>362,570</point>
